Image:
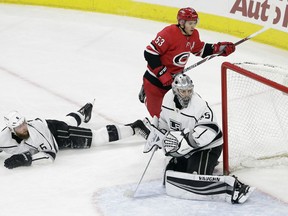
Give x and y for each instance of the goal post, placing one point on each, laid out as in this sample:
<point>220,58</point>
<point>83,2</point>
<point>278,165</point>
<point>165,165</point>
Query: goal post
<point>254,114</point>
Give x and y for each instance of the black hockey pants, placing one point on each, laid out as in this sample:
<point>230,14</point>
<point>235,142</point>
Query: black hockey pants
<point>68,136</point>
<point>203,162</point>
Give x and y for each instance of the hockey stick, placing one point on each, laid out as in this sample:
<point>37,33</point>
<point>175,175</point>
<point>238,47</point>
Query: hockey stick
<point>217,54</point>
<point>154,149</point>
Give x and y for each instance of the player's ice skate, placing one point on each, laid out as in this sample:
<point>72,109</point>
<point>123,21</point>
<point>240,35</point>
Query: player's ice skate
<point>86,111</point>
<point>139,128</point>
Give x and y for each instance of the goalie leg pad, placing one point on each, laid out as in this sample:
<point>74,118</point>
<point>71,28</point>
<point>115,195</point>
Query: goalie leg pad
<point>201,187</point>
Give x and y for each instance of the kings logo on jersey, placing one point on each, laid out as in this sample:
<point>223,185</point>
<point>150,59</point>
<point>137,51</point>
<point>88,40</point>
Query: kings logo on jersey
<point>176,126</point>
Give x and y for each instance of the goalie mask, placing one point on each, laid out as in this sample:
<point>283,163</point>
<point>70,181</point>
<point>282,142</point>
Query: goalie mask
<point>14,119</point>
<point>183,88</point>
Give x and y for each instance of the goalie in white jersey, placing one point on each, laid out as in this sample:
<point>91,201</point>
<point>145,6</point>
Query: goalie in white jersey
<point>38,141</point>
<point>187,131</point>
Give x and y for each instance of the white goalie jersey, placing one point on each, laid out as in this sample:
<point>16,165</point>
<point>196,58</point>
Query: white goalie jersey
<point>40,144</point>
<point>197,122</point>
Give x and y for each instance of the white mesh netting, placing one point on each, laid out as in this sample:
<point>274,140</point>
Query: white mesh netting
<point>257,117</point>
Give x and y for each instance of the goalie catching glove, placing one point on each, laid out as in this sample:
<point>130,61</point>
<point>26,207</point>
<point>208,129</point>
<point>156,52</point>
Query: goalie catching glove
<point>173,143</point>
<point>176,144</point>
<point>24,159</point>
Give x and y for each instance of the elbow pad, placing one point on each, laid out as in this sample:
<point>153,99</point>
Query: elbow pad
<point>152,60</point>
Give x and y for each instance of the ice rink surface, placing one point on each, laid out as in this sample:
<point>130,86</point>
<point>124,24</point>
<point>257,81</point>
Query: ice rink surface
<point>53,61</point>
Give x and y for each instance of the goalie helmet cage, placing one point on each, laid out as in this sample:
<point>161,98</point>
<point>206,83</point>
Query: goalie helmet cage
<point>254,114</point>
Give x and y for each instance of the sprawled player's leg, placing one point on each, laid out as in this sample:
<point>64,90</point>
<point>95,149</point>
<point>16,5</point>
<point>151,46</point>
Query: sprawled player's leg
<point>206,187</point>
<point>111,133</point>
<point>68,136</point>
<point>82,115</point>
<point>139,128</point>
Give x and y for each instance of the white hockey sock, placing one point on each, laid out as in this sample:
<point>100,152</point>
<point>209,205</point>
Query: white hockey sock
<point>124,131</point>
<point>99,137</point>
<point>111,133</point>
<point>73,119</point>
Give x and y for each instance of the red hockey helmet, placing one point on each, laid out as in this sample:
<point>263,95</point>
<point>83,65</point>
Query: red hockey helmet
<point>187,14</point>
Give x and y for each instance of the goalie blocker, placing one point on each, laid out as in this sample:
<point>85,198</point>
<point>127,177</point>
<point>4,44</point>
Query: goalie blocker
<point>206,187</point>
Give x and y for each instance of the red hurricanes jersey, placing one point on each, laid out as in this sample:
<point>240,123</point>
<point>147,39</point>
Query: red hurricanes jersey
<point>174,48</point>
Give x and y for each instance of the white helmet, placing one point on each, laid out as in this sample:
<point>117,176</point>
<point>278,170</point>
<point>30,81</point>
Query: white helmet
<point>13,119</point>
<point>183,88</point>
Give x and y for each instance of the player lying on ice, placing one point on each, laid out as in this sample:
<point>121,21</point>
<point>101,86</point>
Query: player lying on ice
<point>187,131</point>
<point>38,141</point>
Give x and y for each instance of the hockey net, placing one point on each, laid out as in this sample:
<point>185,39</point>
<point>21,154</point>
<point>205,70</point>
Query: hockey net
<point>255,115</point>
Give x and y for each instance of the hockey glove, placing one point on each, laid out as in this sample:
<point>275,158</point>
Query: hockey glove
<point>164,76</point>
<point>175,144</point>
<point>24,159</point>
<point>155,137</point>
<point>170,144</point>
<point>225,47</point>
<point>142,95</point>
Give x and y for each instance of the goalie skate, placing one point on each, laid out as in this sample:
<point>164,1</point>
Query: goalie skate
<point>241,192</point>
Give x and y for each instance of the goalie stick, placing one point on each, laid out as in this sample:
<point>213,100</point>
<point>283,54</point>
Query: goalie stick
<point>155,148</point>
<point>217,54</point>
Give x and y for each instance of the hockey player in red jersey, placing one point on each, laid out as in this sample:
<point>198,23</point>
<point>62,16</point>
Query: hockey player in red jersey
<point>168,54</point>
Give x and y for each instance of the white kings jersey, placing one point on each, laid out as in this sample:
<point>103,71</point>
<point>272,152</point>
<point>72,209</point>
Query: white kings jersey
<point>198,119</point>
<point>41,143</point>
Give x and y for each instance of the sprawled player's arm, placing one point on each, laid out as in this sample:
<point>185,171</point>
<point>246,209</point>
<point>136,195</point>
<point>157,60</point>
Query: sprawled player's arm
<point>27,159</point>
<point>43,158</point>
<point>41,139</point>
